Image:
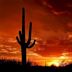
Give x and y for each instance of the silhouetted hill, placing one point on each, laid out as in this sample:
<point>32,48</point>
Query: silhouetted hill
<point>67,68</point>
<point>8,66</point>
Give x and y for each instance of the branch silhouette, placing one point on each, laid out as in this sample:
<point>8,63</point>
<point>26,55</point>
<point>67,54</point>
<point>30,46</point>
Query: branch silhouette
<point>21,38</point>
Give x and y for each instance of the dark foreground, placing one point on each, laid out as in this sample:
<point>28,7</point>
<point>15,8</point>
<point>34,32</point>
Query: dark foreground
<point>12,66</point>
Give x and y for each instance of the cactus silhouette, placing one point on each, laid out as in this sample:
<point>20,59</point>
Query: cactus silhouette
<point>21,39</point>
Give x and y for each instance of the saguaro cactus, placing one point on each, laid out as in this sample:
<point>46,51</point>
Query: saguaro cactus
<point>21,39</point>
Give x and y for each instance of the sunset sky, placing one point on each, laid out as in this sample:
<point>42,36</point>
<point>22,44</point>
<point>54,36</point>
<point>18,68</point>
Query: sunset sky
<point>52,29</point>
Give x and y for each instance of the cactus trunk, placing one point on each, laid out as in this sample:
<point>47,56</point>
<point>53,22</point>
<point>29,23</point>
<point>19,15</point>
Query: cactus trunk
<point>23,50</point>
<point>21,39</point>
<point>23,47</point>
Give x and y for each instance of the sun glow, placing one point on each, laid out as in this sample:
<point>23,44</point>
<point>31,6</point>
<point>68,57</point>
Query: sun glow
<point>53,62</point>
<point>59,61</point>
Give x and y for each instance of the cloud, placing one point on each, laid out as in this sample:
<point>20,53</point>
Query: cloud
<point>9,48</point>
<point>59,6</point>
<point>11,40</point>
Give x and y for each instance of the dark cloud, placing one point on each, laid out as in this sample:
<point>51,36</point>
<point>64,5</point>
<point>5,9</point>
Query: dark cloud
<point>59,6</point>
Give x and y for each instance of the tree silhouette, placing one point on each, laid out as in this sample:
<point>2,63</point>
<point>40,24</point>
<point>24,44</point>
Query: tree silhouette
<point>21,39</point>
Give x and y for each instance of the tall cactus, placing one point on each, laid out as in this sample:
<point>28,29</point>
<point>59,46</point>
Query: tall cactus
<point>21,39</point>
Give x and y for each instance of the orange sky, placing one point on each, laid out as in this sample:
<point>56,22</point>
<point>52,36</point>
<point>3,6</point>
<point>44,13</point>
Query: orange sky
<point>52,26</point>
<point>44,21</point>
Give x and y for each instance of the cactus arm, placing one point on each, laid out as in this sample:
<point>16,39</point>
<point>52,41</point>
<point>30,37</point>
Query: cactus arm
<point>20,35</point>
<point>18,40</point>
<point>30,29</point>
<point>29,46</point>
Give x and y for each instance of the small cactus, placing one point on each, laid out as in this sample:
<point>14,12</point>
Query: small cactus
<point>21,39</point>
